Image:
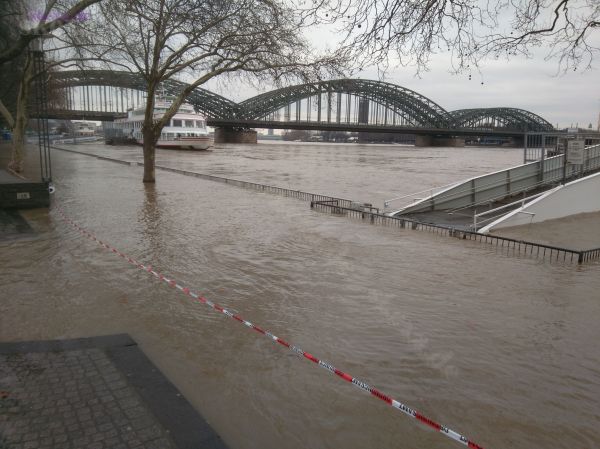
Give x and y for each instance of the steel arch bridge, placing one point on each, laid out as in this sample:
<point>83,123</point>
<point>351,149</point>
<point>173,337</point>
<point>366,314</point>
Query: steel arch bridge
<point>343,104</point>
<point>504,117</point>
<point>210,104</point>
<point>413,108</point>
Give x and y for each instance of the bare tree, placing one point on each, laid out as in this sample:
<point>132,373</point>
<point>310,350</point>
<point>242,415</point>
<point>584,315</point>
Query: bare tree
<point>197,40</point>
<point>16,60</point>
<point>54,9</point>
<point>469,30</point>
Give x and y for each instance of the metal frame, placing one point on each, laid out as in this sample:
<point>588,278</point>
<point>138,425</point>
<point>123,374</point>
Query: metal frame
<point>203,100</point>
<point>417,109</point>
<point>387,100</point>
<point>494,118</point>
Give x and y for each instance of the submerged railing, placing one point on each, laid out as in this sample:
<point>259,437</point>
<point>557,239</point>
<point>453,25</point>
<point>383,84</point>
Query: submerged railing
<point>589,255</point>
<point>539,250</point>
<point>299,194</point>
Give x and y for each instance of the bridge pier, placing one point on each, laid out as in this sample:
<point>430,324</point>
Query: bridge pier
<point>517,141</point>
<point>434,141</point>
<point>235,135</point>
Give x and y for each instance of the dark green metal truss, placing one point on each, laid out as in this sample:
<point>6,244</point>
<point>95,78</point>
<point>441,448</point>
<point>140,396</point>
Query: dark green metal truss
<point>416,109</point>
<point>494,118</point>
<point>204,101</point>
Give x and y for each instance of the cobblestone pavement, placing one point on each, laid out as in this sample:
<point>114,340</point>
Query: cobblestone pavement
<point>75,399</point>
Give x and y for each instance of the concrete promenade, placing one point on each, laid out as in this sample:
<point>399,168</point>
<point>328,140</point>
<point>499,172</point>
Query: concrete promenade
<point>92,393</point>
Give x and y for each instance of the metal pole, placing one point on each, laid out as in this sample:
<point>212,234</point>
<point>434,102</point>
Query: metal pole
<point>565,155</point>
<point>319,107</point>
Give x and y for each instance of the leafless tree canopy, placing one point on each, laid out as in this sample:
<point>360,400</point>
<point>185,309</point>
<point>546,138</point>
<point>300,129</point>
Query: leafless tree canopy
<point>47,16</point>
<point>203,38</point>
<point>195,41</point>
<point>470,30</point>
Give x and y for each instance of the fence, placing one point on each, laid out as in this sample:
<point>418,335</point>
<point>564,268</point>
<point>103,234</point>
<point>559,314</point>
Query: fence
<point>299,194</point>
<point>589,255</point>
<point>522,247</point>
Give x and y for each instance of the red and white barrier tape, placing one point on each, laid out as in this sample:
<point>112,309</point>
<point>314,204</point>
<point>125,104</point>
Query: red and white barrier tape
<point>347,377</point>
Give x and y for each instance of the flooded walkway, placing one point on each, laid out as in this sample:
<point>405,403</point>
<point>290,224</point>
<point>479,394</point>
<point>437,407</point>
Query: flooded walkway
<point>502,349</point>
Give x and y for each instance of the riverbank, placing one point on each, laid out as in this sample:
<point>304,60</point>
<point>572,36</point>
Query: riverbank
<point>495,347</point>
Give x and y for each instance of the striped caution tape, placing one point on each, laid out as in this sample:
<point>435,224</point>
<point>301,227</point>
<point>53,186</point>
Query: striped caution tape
<point>347,377</point>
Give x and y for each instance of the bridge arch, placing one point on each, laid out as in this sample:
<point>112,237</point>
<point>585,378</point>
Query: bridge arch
<point>414,108</point>
<point>375,103</point>
<point>209,103</point>
<point>503,117</point>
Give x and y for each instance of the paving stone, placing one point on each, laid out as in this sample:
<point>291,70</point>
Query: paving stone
<point>92,393</point>
<point>70,399</point>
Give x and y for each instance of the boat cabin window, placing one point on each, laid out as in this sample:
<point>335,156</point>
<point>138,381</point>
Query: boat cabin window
<point>199,123</point>
<point>176,122</point>
<point>189,123</point>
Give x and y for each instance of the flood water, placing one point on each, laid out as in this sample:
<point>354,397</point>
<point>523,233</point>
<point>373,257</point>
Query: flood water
<point>503,349</point>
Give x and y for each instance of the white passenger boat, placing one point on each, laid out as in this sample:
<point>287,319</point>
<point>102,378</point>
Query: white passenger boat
<point>186,129</point>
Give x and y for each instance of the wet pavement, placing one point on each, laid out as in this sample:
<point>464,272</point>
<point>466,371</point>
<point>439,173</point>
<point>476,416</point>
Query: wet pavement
<point>92,393</point>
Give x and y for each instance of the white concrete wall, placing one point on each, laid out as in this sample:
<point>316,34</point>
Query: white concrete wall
<point>576,197</point>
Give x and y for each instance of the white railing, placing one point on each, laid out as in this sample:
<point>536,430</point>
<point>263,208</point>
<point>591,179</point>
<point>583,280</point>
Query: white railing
<point>493,186</point>
<point>520,203</point>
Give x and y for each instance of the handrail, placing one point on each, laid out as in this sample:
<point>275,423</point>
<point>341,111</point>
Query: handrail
<point>522,201</point>
<point>552,176</point>
<point>386,203</point>
<point>494,198</point>
<point>486,186</point>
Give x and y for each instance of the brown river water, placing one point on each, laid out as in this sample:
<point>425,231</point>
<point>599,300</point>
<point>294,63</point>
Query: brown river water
<point>503,349</point>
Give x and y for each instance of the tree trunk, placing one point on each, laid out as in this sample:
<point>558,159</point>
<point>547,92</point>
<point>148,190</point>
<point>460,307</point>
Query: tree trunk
<point>149,154</point>
<point>149,135</point>
<point>21,119</point>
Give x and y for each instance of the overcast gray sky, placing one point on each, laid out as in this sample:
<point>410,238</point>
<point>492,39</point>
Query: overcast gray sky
<point>531,84</point>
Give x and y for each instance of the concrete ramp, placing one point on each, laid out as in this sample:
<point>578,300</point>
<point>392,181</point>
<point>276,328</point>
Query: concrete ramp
<point>576,197</point>
<point>501,185</point>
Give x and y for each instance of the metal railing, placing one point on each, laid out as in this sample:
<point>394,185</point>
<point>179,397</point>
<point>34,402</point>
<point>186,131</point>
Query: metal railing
<point>298,194</point>
<point>520,203</point>
<point>589,255</point>
<point>504,183</point>
<point>521,247</point>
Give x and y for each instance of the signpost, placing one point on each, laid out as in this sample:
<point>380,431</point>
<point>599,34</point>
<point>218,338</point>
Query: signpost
<point>575,152</point>
<point>574,155</point>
